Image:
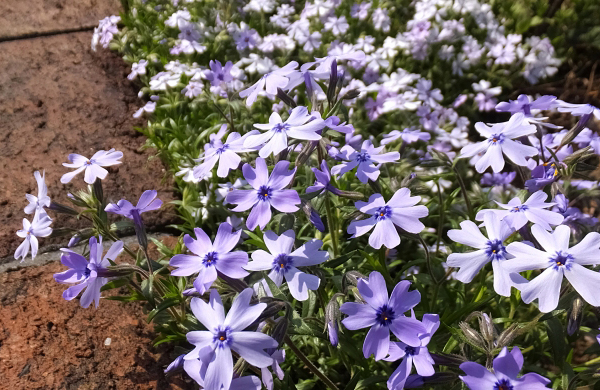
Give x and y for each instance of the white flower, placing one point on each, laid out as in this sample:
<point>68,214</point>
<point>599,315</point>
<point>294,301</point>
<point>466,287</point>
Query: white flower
<point>337,26</point>
<point>37,203</point>
<point>93,166</point>
<point>39,227</point>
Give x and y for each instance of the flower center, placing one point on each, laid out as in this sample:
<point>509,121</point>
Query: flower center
<point>282,263</point>
<point>385,315</point>
<point>495,250</point>
<point>222,148</point>
<point>496,139</point>
<point>87,272</point>
<point>222,336</point>
<point>281,127</point>
<point>383,212</point>
<point>503,384</point>
<point>89,162</point>
<point>363,157</point>
<point>410,350</point>
<point>210,259</point>
<point>527,109</point>
<point>518,209</point>
<point>561,259</point>
<point>264,193</point>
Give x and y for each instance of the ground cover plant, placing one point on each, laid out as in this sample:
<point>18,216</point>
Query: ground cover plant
<point>348,221</point>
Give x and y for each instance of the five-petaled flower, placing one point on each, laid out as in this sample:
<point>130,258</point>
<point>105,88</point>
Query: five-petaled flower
<point>37,203</point>
<point>147,202</point>
<point>226,154</point>
<point>365,161</point>
<point>38,227</point>
<point>93,166</point>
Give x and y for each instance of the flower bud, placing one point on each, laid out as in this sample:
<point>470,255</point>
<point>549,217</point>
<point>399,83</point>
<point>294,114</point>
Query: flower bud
<point>62,209</point>
<point>507,337</point>
<point>287,99</point>
<point>472,336</point>
<point>175,366</point>
<point>332,319</point>
<point>575,315</point>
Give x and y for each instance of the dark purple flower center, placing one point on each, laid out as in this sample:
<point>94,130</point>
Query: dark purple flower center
<point>210,259</point>
<point>87,272</point>
<point>496,139</point>
<point>526,109</point>
<point>282,263</point>
<point>264,193</point>
<point>221,76</point>
<point>503,384</point>
<point>519,209</point>
<point>410,350</point>
<point>383,212</point>
<point>363,157</point>
<point>222,336</point>
<point>89,162</point>
<point>561,259</point>
<point>385,315</point>
<point>281,127</point>
<point>495,250</point>
<point>223,148</point>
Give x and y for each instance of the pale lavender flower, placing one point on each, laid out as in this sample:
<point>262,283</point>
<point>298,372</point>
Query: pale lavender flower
<point>89,275</point>
<point>137,68</point>
<point>283,263</point>
<point>105,31</point>
<point>149,107</point>
<point>267,192</point>
<point>219,74</point>
<point>485,95</point>
<point>37,203</point>
<point>179,19</point>
<point>557,260</point>
<point>193,89</point>
<point>417,356</point>
<point>360,11</point>
<point>323,180</point>
<point>224,189</point>
<point>337,26</point>
<point>246,38</point>
<point>267,378</point>
<point>588,137</point>
<point>526,105</point>
<point>164,80</point>
<point>38,227</point>
<point>498,179</point>
<point>209,258</point>
<point>364,161</point>
<point>541,176</point>
<point>226,154</point>
<point>408,135</point>
<point>147,202</point>
<point>224,334</point>
<point>505,376</point>
<point>429,118</point>
<point>516,214</point>
<point>93,167</point>
<point>400,210</point>
<point>583,110</point>
<point>574,218</point>
<point>489,249</point>
<point>427,95</point>
<point>383,314</point>
<point>500,139</point>
<point>299,125</point>
<point>278,78</point>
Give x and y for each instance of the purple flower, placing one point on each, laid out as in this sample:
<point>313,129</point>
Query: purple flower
<point>223,153</point>
<point>38,227</point>
<point>267,378</point>
<point>490,249</point>
<point>283,263</point>
<point>524,104</point>
<point>219,74</point>
<point>413,355</point>
<point>224,334</point>
<point>578,109</point>
<point>506,369</point>
<point>557,260</point>
<point>299,125</point>
<point>400,210</point>
<point>267,192</point>
<point>574,218</point>
<point>500,139</point>
<point>270,82</point>
<point>498,179</point>
<point>383,314</point>
<point>209,258</point>
<point>323,180</point>
<point>365,161</point>
<point>541,176</point>
<point>147,202</point>
<point>93,166</point>
<point>37,203</point>
<point>87,275</point>
<point>516,213</point>
<point>408,135</point>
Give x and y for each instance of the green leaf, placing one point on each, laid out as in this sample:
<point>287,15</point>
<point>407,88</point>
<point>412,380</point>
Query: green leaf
<point>169,302</point>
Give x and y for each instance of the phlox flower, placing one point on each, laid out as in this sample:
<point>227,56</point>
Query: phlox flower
<point>485,95</point>
<point>323,180</point>
<point>500,139</point>
<point>516,214</point>
<point>226,154</point>
<point>209,258</point>
<point>505,376</point>
<point>193,89</point>
<point>337,26</point>
<point>163,80</point>
<point>137,68</point>
<point>147,202</point>
<point>87,275</point>
<point>578,109</point>
<point>283,263</point>
<point>224,334</point>
<point>149,107</point>
<point>179,19</point>
<point>383,314</point>
<point>526,105</point>
<point>557,259</point>
<point>408,135</point>
<point>38,227</point>
<point>489,249</point>
<point>37,203</point>
<point>299,125</point>
<point>267,378</point>
<point>364,161</point>
<point>417,356</point>
<point>196,369</point>
<point>269,82</point>
<point>224,189</point>
<point>93,167</point>
<point>399,211</point>
<point>267,191</point>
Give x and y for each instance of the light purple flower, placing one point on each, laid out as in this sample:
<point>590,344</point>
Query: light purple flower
<point>267,192</point>
<point>37,203</point>
<point>267,378</point>
<point>505,376</point>
<point>87,275</point>
<point>323,180</point>
<point>224,334</point>
<point>500,139</point>
<point>498,179</point>
<point>408,135</point>
<point>364,161</point>
<point>578,109</point>
<point>557,260</point>
<point>383,314</point>
<point>93,166</point>
<point>149,107</point>
<point>147,202</point>
<point>299,125</point>
<point>525,104</point>
<point>541,176</point>
<point>197,368</point>
<point>38,227</point>
<point>490,249</point>
<point>417,356</point>
<point>574,218</point>
<point>226,154</point>
<point>137,68</point>
<point>209,258</point>
<point>283,262</point>
<point>400,211</point>
<point>224,189</point>
<point>278,78</point>
<point>516,214</point>
<point>219,74</point>
<point>193,89</point>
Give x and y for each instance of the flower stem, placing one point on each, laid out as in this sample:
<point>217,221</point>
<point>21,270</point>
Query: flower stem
<point>331,225</point>
<point>463,189</point>
<point>309,364</point>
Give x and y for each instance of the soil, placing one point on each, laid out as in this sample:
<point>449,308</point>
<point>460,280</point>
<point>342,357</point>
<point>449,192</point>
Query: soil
<point>59,97</point>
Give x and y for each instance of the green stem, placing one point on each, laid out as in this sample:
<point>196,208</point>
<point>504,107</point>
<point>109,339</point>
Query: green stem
<point>309,364</point>
<point>463,189</point>
<point>332,227</point>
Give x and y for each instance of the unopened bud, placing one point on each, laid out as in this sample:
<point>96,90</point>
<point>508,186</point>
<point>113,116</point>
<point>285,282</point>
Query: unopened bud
<point>575,316</point>
<point>352,277</point>
<point>507,337</point>
<point>472,336</point>
<point>351,94</point>
<point>449,360</point>
<point>62,209</point>
<point>274,306</point>
<point>287,99</point>
<point>175,366</point>
<point>280,330</point>
<point>97,190</point>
